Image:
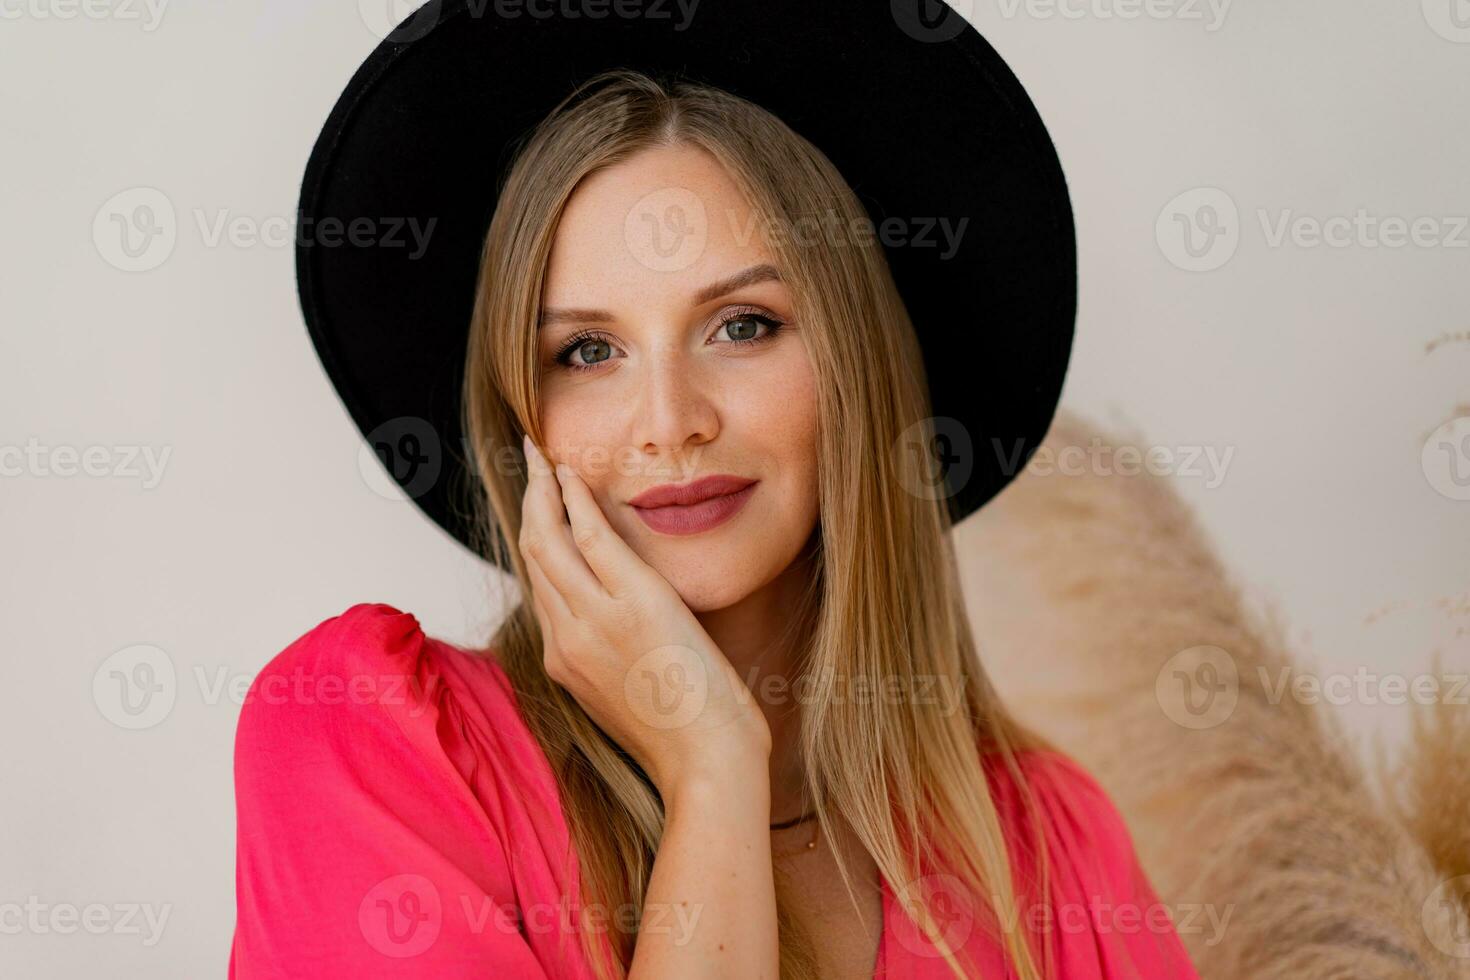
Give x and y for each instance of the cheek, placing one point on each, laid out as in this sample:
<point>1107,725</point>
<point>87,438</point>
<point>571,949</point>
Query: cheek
<point>778,412</point>
<point>805,423</point>
<point>585,440</point>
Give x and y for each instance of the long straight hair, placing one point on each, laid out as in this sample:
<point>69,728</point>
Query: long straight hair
<point>884,598</point>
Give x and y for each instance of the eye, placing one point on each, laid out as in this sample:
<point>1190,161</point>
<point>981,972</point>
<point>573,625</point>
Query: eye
<point>593,348</point>
<point>585,350</point>
<point>742,326</point>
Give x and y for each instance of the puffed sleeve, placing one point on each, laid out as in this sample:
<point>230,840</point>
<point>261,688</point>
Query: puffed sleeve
<point>361,851</point>
<point>1103,918</point>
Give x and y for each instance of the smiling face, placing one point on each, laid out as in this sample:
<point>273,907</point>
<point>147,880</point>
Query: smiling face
<point>669,353</point>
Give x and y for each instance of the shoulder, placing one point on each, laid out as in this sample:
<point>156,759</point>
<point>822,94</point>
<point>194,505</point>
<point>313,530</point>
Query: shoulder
<point>377,774</point>
<point>328,691</point>
<point>365,710</point>
<point>1081,826</point>
<point>1053,774</point>
<point>366,635</point>
<point>345,661</point>
<point>362,679</point>
<point>1108,921</point>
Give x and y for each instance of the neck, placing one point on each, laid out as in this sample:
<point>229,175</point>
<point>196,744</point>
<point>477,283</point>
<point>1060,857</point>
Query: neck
<point>760,637</point>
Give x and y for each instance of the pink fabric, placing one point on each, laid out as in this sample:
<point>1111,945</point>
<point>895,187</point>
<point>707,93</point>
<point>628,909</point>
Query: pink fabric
<point>396,818</point>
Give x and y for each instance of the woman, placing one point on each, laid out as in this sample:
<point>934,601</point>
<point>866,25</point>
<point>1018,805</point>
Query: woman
<point>739,728</point>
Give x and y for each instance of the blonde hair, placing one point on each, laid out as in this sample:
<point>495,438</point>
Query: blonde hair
<point>884,600</point>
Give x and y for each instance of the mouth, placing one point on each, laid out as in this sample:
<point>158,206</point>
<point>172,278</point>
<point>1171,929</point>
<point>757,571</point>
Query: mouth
<point>694,507</point>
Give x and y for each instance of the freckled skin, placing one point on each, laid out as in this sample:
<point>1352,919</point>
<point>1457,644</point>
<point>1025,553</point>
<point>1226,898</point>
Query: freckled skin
<point>677,399</point>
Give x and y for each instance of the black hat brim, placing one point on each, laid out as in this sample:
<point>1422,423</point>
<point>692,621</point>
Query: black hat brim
<point>922,118</point>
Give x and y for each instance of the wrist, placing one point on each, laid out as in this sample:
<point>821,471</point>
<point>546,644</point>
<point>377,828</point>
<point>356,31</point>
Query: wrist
<point>740,773</point>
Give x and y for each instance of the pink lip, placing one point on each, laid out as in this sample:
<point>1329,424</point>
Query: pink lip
<point>685,494</point>
<point>695,507</point>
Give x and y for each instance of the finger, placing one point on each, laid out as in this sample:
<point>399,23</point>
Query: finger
<point>546,597</point>
<point>550,649</point>
<point>544,522</point>
<point>619,568</point>
<point>548,601</point>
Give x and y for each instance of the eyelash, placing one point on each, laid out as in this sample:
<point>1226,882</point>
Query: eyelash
<point>773,326</point>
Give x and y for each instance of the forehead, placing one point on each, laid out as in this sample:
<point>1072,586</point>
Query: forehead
<point>669,219</point>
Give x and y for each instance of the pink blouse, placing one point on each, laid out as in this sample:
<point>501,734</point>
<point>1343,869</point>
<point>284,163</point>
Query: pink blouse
<point>395,817</point>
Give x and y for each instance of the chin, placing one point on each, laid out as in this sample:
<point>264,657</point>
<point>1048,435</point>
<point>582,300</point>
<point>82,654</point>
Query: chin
<point>719,568</point>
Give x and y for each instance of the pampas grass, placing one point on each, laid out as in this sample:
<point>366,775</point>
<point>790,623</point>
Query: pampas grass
<point>1085,591</point>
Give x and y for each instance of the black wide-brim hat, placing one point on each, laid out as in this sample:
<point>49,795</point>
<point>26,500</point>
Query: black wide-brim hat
<point>919,114</point>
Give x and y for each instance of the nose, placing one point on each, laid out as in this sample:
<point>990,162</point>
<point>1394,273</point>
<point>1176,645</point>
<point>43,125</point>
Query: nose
<point>675,410</point>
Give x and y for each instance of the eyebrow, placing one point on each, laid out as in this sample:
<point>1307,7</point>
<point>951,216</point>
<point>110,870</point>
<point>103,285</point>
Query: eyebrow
<point>745,277</point>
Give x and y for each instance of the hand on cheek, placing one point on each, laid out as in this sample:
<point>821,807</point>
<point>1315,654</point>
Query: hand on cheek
<point>620,639</point>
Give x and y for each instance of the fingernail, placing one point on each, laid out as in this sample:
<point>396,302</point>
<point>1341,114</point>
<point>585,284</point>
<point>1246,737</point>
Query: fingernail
<point>529,448</point>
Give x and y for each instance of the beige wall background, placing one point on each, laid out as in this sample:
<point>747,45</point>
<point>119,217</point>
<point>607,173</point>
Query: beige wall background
<point>179,476</point>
